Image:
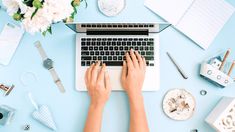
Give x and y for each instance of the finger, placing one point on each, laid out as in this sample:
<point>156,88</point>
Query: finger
<point>101,75</point>
<point>89,73</point>
<point>144,63</point>
<point>95,72</point>
<point>140,60</point>
<point>134,59</point>
<point>107,81</point>
<point>124,70</point>
<point>129,61</point>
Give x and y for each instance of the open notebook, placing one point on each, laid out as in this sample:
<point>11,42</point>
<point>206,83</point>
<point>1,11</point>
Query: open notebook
<point>200,20</point>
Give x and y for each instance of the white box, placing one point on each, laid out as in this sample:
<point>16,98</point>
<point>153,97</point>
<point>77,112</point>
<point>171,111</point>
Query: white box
<point>222,117</point>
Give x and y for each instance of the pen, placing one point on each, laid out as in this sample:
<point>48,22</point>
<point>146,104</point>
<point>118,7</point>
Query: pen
<point>177,66</point>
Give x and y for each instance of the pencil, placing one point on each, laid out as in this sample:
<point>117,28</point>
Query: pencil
<point>224,60</point>
<point>231,68</point>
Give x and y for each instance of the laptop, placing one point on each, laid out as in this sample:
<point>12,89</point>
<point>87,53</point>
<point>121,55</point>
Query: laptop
<point>108,43</point>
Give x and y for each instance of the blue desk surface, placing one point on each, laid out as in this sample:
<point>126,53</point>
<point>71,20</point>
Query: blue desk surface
<point>70,109</point>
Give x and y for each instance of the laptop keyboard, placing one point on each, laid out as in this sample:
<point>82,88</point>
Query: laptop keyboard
<point>111,51</point>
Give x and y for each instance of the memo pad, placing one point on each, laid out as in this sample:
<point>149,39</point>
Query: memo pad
<point>9,40</point>
<point>199,20</point>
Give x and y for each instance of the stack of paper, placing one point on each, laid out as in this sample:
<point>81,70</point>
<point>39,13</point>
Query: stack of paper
<point>200,20</point>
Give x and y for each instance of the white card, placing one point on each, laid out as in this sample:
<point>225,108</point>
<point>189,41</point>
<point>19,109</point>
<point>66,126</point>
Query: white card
<point>9,40</point>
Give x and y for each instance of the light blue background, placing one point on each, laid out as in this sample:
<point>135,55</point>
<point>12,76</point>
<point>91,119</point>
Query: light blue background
<point>70,109</point>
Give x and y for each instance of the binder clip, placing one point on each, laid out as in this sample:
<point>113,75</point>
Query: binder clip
<point>6,89</point>
<point>217,69</point>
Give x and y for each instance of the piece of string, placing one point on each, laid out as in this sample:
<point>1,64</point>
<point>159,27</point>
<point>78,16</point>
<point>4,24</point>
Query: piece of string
<point>33,101</point>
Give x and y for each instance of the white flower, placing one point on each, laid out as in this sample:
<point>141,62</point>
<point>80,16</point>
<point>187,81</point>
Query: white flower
<point>38,23</point>
<point>14,5</point>
<point>58,9</point>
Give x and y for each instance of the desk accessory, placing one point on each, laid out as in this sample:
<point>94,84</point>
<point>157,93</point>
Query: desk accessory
<point>42,114</point>
<point>179,104</point>
<point>28,77</point>
<point>6,89</point>
<point>6,115</point>
<point>199,20</point>
<point>10,38</point>
<point>222,117</point>
<point>111,7</point>
<point>215,69</point>
<point>48,64</point>
<point>26,127</point>
<point>39,15</point>
<point>177,66</point>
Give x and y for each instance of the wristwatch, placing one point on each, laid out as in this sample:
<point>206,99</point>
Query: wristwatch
<point>48,64</point>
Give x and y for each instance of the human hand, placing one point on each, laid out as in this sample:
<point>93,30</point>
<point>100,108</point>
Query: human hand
<point>98,84</point>
<point>133,73</point>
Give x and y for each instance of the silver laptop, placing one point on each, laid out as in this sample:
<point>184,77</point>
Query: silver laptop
<point>108,43</point>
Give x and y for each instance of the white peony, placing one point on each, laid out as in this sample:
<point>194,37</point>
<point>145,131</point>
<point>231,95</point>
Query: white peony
<point>58,9</point>
<point>14,5</point>
<point>39,23</point>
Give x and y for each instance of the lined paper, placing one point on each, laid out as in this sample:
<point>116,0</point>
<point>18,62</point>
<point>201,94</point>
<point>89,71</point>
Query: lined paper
<point>199,20</point>
<point>204,20</point>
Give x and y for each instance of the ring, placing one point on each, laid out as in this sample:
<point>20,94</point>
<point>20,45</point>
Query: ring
<point>203,92</point>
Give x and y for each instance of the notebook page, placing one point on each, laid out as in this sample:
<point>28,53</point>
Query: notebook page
<point>204,20</point>
<point>170,10</point>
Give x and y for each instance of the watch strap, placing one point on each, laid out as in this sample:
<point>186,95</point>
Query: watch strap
<point>57,80</point>
<point>41,50</point>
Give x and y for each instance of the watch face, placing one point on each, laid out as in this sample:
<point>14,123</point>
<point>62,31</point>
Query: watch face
<point>48,63</point>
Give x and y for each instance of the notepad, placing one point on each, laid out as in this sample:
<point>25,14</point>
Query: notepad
<point>199,20</point>
<point>9,40</point>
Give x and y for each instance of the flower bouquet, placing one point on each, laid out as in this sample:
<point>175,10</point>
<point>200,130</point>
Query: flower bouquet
<point>39,15</point>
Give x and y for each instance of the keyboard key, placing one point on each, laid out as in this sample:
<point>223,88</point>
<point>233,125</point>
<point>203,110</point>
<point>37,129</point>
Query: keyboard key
<point>119,57</point>
<point>149,57</point>
<point>83,63</point>
<point>84,48</point>
<point>110,58</point>
<point>107,53</point>
<point>102,53</point>
<point>90,48</point>
<point>88,63</point>
<point>113,63</point>
<point>85,53</point>
<point>99,57</point>
<point>97,53</point>
<point>101,48</point>
<point>95,48</point>
<point>105,58</point>
<point>94,57</point>
<point>92,52</point>
<point>114,57</point>
<point>110,48</point>
<point>105,48</point>
<point>149,53</point>
<point>86,57</point>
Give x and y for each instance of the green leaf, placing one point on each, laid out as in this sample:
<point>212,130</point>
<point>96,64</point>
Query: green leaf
<point>49,30</point>
<point>34,13</point>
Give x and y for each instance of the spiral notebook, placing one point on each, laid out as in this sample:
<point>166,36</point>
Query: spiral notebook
<point>199,20</point>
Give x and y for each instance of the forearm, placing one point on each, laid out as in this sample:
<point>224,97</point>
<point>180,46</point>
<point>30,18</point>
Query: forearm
<point>94,118</point>
<point>138,120</point>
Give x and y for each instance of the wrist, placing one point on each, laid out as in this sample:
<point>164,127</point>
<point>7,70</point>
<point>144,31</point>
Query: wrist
<point>135,96</point>
<point>97,105</point>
